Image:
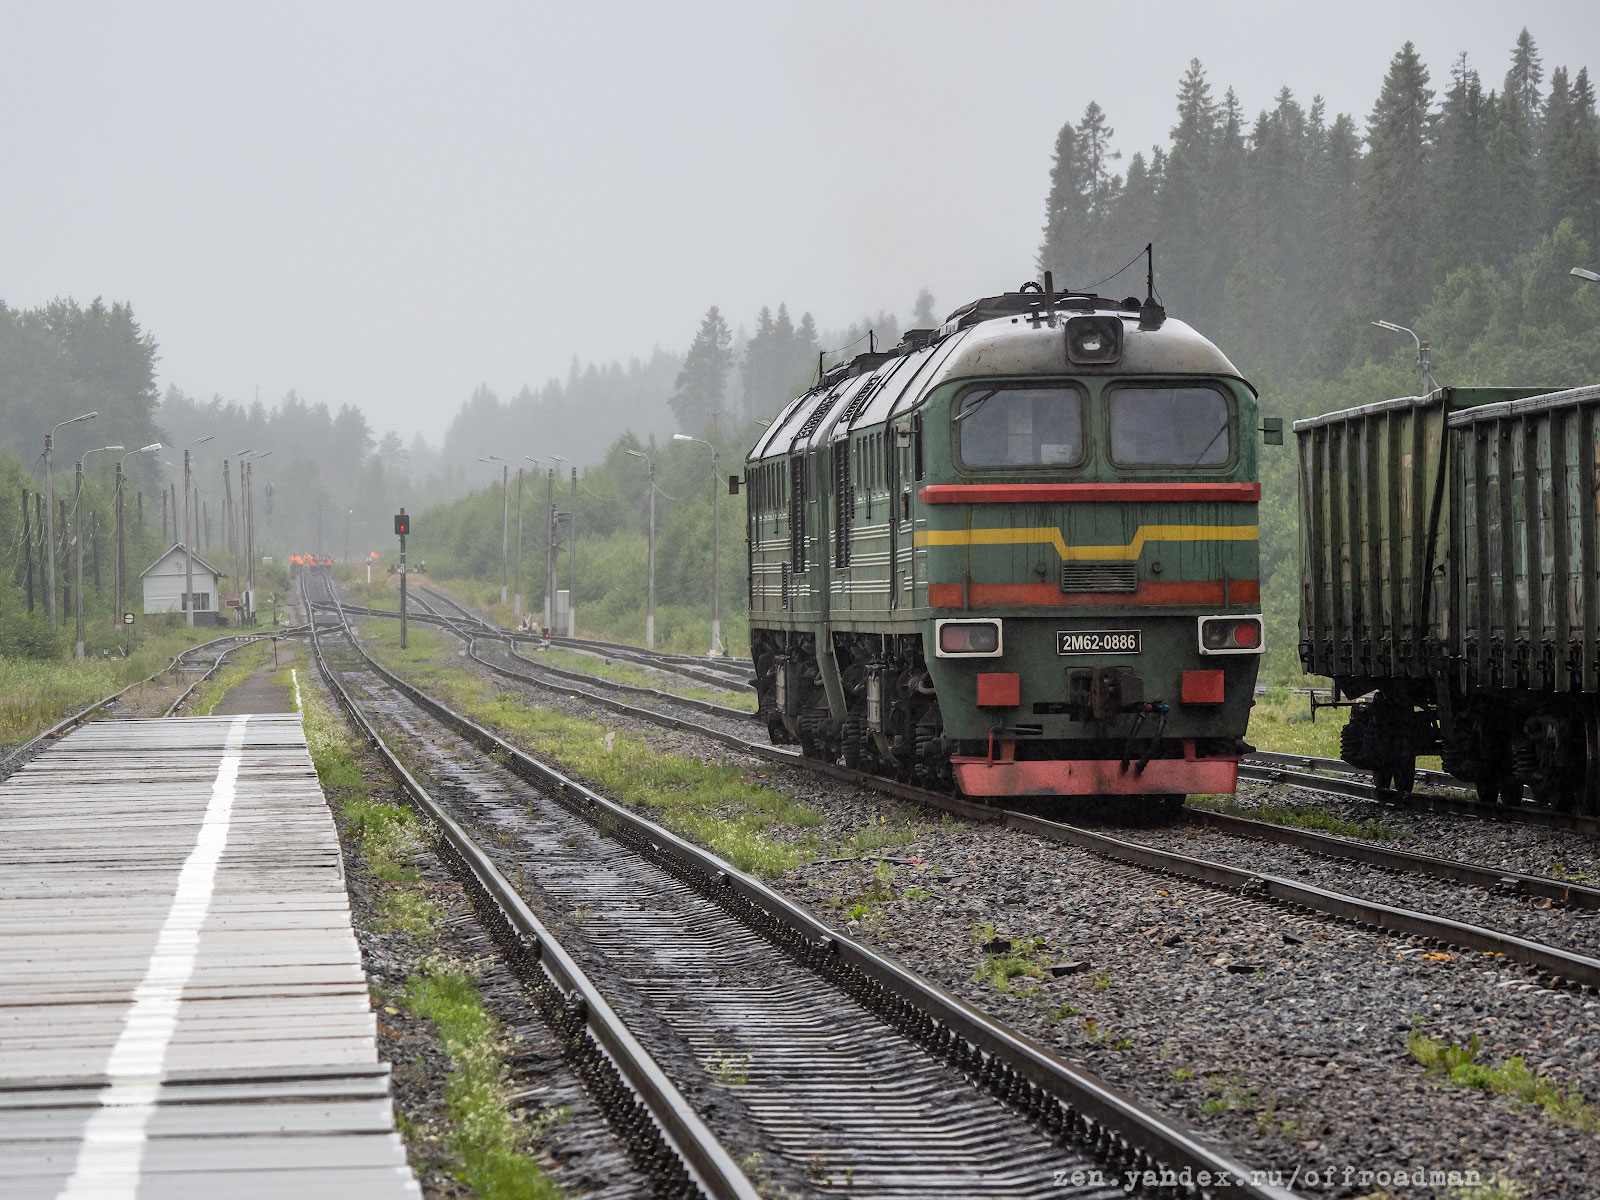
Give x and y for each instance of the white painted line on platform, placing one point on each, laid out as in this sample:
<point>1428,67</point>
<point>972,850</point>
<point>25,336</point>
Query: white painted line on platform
<point>108,1161</point>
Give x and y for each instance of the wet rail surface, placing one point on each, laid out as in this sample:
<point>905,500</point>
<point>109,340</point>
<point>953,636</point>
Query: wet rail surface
<point>848,1103</point>
<point>1558,964</point>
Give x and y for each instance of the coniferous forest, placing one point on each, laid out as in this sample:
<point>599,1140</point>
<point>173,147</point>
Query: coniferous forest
<point>1455,206</point>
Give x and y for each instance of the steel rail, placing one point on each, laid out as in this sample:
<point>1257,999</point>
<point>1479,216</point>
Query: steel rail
<point>1064,1099</point>
<point>67,724</point>
<point>533,948</point>
<point>1561,965</point>
<point>690,666</point>
<point>630,689</point>
<point>240,642</point>
<point>1575,895</point>
<point>1300,771</point>
<point>1262,766</point>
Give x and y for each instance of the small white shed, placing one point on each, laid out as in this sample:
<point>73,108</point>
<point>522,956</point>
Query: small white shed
<point>163,586</point>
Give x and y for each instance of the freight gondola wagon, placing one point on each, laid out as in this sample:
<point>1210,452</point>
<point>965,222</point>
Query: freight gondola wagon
<point>1448,575</point>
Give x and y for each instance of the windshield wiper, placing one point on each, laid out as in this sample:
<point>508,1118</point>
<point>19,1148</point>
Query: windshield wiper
<point>979,403</point>
<point>1220,431</point>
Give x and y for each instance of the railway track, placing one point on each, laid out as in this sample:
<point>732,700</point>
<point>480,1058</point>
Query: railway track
<point>224,646</point>
<point>1444,793</point>
<point>732,675</point>
<point>905,1091</point>
<point>1555,964</point>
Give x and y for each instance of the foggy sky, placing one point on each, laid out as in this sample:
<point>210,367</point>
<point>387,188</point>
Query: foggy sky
<point>386,204</point>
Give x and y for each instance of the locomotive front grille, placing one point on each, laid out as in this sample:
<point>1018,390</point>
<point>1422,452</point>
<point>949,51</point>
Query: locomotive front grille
<point>1100,577</point>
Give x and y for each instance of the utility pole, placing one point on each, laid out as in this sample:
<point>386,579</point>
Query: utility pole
<point>188,544</point>
<point>572,560</point>
<point>227,522</point>
<point>77,531</point>
<point>552,535</point>
<point>50,512</point>
<point>716,539</point>
<point>516,592</point>
<point>121,587</point>
<point>505,518</point>
<point>650,601</point>
<point>27,548</point>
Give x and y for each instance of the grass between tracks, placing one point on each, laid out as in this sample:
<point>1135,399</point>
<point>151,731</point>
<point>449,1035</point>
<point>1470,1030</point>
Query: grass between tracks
<point>484,1129</point>
<point>244,663</point>
<point>1460,1066</point>
<point>753,826</point>
<point>573,660</point>
<point>484,1133</point>
<point>35,693</point>
<point>1320,819</point>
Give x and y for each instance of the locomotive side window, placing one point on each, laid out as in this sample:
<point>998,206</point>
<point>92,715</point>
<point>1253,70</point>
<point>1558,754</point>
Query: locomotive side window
<point>1170,425</point>
<point>1021,426</point>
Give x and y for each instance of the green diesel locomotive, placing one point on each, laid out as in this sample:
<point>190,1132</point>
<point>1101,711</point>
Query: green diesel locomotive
<point>1016,554</point>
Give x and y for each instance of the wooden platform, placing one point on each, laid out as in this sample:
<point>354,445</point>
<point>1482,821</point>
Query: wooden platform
<point>182,1007</point>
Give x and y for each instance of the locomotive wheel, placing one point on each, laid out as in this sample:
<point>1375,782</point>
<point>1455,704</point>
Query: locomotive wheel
<point>1501,787</point>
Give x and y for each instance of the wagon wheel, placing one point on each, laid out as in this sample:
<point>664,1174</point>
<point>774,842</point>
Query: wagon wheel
<point>1589,793</point>
<point>1404,776</point>
<point>1383,782</point>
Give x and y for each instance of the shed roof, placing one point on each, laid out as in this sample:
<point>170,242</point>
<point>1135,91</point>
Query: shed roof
<point>177,548</point>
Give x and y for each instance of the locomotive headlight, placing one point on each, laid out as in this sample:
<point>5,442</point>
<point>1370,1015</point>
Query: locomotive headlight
<point>967,639</point>
<point>1230,635</point>
<point>1094,339</point>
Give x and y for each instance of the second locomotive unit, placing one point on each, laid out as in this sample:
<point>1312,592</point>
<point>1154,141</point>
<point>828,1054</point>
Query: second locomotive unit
<point>1016,555</point>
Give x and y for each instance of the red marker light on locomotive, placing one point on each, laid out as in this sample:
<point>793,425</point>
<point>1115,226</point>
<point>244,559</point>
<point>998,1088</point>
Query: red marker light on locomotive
<point>1230,635</point>
<point>976,638</point>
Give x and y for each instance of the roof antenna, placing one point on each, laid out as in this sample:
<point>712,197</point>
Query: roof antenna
<point>1049,297</point>
<point>1151,314</point>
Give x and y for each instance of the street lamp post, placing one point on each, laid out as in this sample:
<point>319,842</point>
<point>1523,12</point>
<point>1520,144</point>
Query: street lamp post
<point>122,557</point>
<point>348,513</point>
<point>505,518</point>
<point>1422,352</point>
<point>50,511</point>
<point>650,603</point>
<point>77,534</point>
<point>716,540</point>
<point>188,546</point>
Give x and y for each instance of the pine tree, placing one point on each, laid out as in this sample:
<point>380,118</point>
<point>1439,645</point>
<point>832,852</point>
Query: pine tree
<point>1569,156</point>
<point>1197,116</point>
<point>923,314</point>
<point>1066,211</point>
<point>1398,199</point>
<point>1460,230</point>
<point>1509,182</point>
<point>1525,75</point>
<point>703,381</point>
